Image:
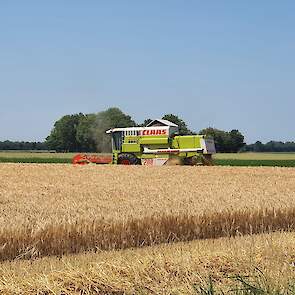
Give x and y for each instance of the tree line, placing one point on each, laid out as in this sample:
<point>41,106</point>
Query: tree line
<point>86,133</point>
<point>271,146</point>
<point>22,146</point>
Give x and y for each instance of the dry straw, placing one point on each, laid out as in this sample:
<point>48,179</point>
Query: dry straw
<point>181,268</point>
<point>60,209</point>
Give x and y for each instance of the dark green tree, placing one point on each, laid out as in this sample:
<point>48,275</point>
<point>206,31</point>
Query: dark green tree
<point>183,130</point>
<point>63,135</point>
<point>225,142</point>
<point>236,140</point>
<point>22,145</point>
<point>258,146</point>
<point>79,132</point>
<point>218,136</point>
<point>271,146</point>
<point>85,133</point>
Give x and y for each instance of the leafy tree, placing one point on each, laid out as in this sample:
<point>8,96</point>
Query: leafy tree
<point>63,136</point>
<point>258,147</point>
<point>22,145</point>
<point>271,146</point>
<point>288,147</point>
<point>183,130</point>
<point>226,142</point>
<point>85,133</point>
<point>218,136</point>
<point>236,140</point>
<point>111,118</point>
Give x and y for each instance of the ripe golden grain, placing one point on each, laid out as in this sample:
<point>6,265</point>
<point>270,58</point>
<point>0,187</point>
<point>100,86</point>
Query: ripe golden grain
<point>162,269</point>
<point>61,209</point>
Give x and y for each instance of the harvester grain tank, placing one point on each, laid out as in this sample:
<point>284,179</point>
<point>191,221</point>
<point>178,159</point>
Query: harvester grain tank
<point>157,144</point>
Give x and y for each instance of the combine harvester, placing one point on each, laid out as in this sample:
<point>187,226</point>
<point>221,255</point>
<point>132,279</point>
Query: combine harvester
<point>156,144</point>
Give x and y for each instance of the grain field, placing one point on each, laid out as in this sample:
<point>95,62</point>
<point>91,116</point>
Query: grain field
<point>257,264</point>
<point>62,209</point>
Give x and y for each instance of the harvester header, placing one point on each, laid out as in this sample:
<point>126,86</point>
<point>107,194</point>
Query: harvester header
<point>159,143</point>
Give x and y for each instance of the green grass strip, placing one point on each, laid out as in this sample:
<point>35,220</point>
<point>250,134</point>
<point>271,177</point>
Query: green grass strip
<point>255,163</point>
<point>36,160</point>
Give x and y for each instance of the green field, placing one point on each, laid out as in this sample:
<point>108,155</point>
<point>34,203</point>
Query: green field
<point>27,155</point>
<point>241,159</point>
<point>34,157</point>
<point>255,156</point>
<point>256,159</point>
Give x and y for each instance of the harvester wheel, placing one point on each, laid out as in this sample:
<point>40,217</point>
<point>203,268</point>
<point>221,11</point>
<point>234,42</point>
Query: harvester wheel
<point>128,159</point>
<point>207,160</point>
<point>191,161</point>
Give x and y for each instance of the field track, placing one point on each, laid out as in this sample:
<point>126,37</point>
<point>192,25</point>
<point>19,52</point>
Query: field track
<point>62,209</point>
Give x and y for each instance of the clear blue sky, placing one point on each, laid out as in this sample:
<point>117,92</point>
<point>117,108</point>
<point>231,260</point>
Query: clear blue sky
<point>226,64</point>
